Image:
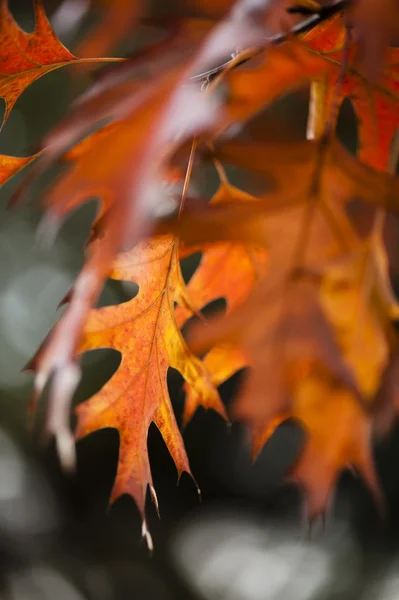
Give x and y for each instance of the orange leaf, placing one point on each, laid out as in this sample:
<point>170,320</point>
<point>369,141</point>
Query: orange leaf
<point>284,69</point>
<point>319,57</point>
<point>376,103</point>
<point>276,333</point>
<point>315,231</point>
<point>25,57</point>
<point>342,176</point>
<point>228,271</point>
<point>145,332</point>
<point>355,299</point>
<point>338,436</point>
<point>11,165</point>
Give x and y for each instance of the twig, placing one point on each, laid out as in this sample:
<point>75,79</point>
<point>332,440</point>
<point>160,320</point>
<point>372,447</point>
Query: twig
<point>323,14</point>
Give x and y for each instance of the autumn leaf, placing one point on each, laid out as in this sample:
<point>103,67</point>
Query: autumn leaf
<point>320,57</point>
<point>282,69</point>
<point>11,165</point>
<point>322,406</point>
<point>362,335</point>
<point>228,271</point>
<point>290,331</point>
<point>359,299</point>
<point>317,233</point>
<point>311,305</point>
<point>376,104</point>
<point>360,312</point>
<point>342,177</point>
<point>244,266</point>
<point>25,56</point>
<point>145,332</point>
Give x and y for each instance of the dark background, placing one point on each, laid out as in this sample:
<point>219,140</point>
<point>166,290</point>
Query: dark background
<point>247,539</point>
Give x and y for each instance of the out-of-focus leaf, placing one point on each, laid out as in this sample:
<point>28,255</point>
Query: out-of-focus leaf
<point>228,271</point>
<point>339,434</point>
<point>117,20</point>
<point>376,103</point>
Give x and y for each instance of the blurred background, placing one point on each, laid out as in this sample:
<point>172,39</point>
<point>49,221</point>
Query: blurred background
<point>247,539</point>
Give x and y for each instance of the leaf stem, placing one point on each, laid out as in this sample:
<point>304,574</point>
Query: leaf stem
<point>187,178</point>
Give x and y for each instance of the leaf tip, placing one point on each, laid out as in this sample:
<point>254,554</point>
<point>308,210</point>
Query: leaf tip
<point>180,473</point>
<point>66,450</point>
<point>145,534</point>
<point>154,499</point>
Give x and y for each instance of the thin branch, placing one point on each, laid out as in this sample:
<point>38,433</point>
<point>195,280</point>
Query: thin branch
<point>323,14</point>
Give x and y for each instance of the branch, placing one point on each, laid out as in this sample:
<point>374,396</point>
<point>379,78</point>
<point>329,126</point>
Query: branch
<point>316,18</point>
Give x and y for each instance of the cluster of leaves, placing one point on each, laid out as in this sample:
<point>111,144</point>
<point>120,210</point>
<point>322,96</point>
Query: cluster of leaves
<point>310,309</point>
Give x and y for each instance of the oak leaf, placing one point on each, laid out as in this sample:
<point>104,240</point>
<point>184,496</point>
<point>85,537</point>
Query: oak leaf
<point>321,56</point>
<point>360,305</point>
<point>275,333</point>
<point>145,332</point>
<point>342,176</point>
<point>11,165</point>
<point>338,435</point>
<point>24,57</point>
<point>376,103</point>
<point>313,317</point>
<point>229,271</point>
